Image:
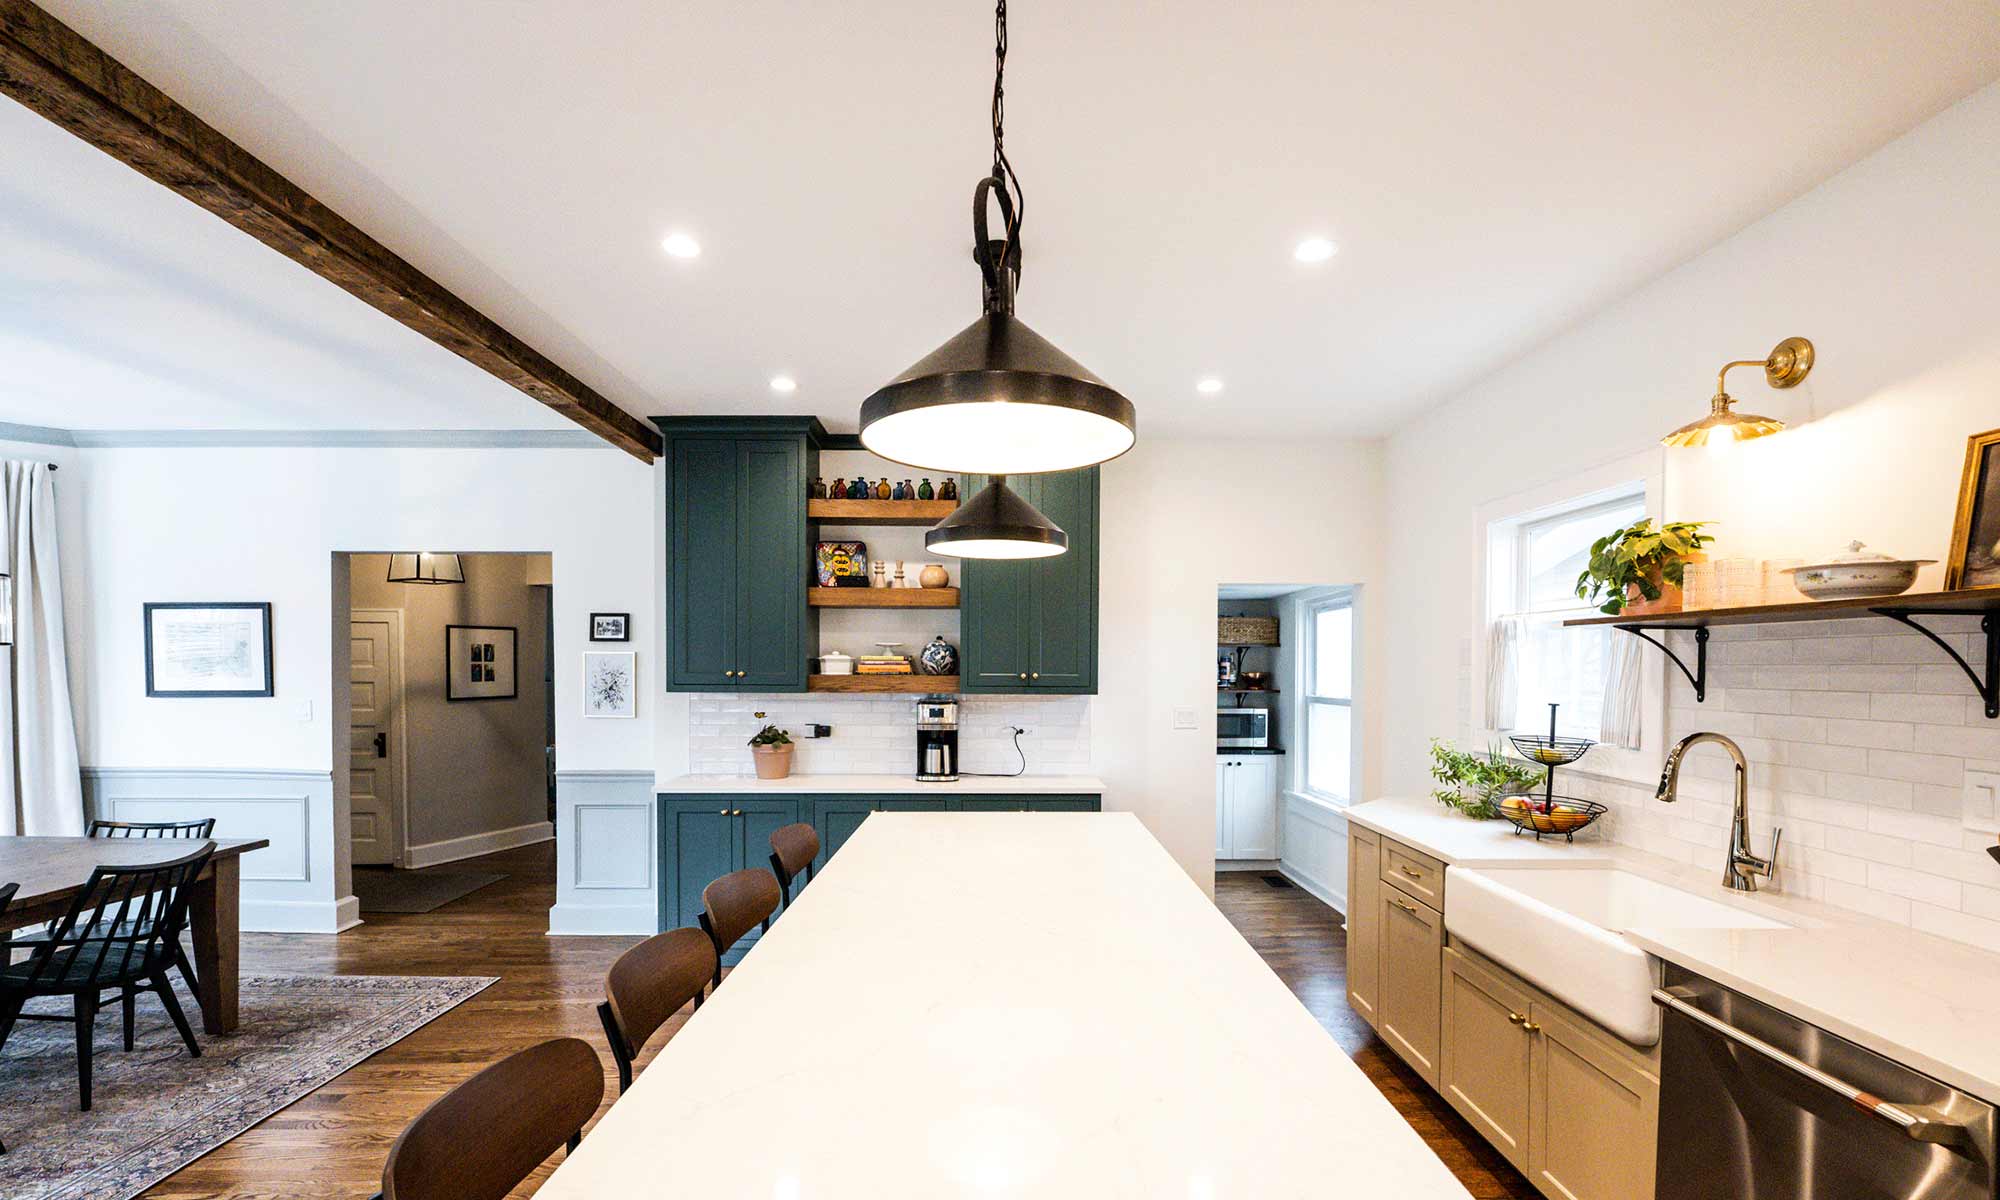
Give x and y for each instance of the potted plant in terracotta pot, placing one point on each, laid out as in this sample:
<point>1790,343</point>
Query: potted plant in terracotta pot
<point>1637,570</point>
<point>771,749</point>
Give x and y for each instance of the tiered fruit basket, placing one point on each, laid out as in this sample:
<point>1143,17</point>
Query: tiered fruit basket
<point>1549,813</point>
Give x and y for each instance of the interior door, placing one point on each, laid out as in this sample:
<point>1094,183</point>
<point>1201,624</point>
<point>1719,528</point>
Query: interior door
<point>375,752</point>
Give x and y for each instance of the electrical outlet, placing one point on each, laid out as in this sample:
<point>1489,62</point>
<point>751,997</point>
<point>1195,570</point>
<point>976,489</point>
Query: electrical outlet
<point>816,731</point>
<point>1184,718</point>
<point>1982,801</point>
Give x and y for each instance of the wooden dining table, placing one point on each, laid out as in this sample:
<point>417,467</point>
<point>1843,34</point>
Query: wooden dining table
<point>52,870</point>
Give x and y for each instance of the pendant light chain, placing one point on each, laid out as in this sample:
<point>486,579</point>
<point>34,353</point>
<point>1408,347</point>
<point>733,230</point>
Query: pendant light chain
<point>1003,170</point>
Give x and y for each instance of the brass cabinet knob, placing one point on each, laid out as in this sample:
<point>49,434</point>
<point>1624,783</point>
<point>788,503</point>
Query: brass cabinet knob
<point>728,674</point>
<point>1514,1018</point>
<point>1530,1027</point>
<point>723,813</point>
<point>1034,674</point>
<point>1024,674</point>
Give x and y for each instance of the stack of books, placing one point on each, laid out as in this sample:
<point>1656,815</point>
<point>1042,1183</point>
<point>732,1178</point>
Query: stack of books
<point>883,664</point>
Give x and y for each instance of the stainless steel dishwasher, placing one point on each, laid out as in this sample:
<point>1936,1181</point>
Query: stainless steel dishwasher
<point>1756,1104</point>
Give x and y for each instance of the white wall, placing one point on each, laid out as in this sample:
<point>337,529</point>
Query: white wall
<point>1887,267</point>
<point>265,524</point>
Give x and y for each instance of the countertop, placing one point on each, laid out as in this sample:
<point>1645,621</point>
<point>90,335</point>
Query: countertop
<point>1920,999</point>
<point>967,785</point>
<point>1002,1005</point>
<point>1233,751</point>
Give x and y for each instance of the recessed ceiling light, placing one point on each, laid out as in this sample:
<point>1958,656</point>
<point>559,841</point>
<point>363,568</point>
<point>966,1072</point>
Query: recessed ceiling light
<point>1314,250</point>
<point>1208,386</point>
<point>784,385</point>
<point>680,245</point>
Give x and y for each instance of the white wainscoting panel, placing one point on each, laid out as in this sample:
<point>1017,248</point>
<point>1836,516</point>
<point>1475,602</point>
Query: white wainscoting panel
<point>289,886</point>
<point>1314,840</point>
<point>606,840</point>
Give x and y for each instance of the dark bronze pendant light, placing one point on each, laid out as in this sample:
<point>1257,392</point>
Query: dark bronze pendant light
<point>425,567</point>
<point>998,399</point>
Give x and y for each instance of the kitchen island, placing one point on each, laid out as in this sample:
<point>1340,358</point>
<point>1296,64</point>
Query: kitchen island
<point>995,1004</point>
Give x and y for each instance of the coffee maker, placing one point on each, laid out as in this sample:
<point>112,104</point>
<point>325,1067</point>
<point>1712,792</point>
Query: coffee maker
<point>937,739</point>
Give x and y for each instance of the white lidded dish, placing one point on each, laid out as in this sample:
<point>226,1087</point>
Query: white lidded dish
<point>1859,572</point>
<point>833,662</point>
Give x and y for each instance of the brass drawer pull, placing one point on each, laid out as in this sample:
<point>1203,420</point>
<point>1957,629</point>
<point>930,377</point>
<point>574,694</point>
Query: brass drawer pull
<point>1514,1018</point>
<point>1404,905</point>
<point>1412,872</point>
<point>1530,1027</point>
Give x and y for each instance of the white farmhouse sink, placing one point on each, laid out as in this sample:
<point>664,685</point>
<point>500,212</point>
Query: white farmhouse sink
<point>1559,928</point>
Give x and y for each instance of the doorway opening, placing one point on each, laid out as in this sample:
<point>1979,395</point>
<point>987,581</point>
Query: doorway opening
<point>448,728</point>
<point>1285,757</point>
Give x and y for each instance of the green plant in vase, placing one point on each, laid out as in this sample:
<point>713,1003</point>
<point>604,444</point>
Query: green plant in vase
<point>1633,568</point>
<point>1476,783</point>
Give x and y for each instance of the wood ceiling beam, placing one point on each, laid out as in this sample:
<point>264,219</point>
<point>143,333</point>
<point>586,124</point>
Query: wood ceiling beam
<point>51,70</point>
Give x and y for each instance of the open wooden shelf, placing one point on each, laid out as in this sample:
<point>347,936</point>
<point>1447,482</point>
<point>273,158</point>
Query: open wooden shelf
<point>840,597</point>
<point>880,512</point>
<point>914,684</point>
<point>1904,609</point>
<point>1973,601</point>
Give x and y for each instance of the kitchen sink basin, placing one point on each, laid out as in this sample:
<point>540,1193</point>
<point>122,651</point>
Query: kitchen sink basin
<point>1561,930</point>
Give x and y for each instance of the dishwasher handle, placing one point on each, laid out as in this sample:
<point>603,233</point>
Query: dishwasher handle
<point>1920,1123</point>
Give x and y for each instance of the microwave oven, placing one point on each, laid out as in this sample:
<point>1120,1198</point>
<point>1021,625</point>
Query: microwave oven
<point>1243,728</point>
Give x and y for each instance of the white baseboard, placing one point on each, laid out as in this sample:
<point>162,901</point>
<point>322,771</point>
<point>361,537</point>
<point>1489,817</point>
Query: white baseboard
<point>1336,901</point>
<point>430,854</point>
<point>1246,864</point>
<point>598,920</point>
<point>299,916</point>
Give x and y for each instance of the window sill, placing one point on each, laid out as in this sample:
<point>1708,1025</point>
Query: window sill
<point>1332,805</point>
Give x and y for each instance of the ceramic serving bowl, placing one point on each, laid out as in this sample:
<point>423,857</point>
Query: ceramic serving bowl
<point>1857,573</point>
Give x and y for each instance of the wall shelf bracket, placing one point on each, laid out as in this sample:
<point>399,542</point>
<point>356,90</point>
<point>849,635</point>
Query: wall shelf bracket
<point>1989,626</point>
<point>1699,675</point>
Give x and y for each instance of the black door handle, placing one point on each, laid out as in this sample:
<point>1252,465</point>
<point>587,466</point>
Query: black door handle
<point>381,745</point>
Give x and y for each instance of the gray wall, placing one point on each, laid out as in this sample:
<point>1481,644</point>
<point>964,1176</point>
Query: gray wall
<point>475,766</point>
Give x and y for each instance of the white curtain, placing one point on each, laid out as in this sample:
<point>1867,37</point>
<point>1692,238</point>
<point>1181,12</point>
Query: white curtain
<point>43,780</point>
<point>1503,671</point>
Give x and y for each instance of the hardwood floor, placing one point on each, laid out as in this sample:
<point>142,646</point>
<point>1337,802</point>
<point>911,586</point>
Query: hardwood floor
<point>331,1143</point>
<point>1305,944</point>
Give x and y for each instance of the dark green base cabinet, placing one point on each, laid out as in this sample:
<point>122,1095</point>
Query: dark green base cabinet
<point>704,837</point>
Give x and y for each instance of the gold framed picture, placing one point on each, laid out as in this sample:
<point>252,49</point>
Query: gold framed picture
<point>1975,536</point>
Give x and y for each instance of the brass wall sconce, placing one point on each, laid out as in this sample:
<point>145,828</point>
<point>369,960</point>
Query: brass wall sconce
<point>1787,367</point>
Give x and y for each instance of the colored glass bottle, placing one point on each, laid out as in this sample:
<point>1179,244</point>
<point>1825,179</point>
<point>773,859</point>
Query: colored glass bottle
<point>882,489</point>
<point>816,490</point>
<point>948,490</point>
<point>857,489</point>
<point>924,491</point>
<point>898,492</point>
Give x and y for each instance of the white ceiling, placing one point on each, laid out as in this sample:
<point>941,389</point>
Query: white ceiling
<point>1491,173</point>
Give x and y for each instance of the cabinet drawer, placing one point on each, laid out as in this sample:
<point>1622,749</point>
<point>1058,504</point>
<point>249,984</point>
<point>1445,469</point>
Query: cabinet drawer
<point>1416,873</point>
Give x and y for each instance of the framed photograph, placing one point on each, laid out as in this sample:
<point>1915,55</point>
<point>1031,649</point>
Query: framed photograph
<point>610,683</point>
<point>610,627</point>
<point>208,649</point>
<point>479,662</point>
<point>1975,536</point>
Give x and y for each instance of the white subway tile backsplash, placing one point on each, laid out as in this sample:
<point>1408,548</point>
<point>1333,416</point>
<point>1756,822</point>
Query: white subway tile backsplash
<point>876,735</point>
<point>1924,710</point>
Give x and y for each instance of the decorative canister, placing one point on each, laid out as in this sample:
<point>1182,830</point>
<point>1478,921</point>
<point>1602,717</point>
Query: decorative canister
<point>939,658</point>
<point>833,662</point>
<point>933,576</point>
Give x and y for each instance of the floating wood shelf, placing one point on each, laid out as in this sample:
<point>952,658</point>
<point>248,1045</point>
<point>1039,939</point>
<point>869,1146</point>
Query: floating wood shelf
<point>839,597</point>
<point>882,683</point>
<point>1983,603</point>
<point>880,512</point>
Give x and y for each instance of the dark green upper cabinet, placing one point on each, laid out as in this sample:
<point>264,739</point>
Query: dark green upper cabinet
<point>1030,625</point>
<point>739,552</point>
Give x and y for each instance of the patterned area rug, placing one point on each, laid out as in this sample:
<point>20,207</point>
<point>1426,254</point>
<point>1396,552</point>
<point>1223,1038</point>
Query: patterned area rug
<point>154,1110</point>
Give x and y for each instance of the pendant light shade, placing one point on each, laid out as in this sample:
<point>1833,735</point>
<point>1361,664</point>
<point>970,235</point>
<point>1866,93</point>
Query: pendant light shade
<point>425,567</point>
<point>996,523</point>
<point>1788,365</point>
<point>998,399</point>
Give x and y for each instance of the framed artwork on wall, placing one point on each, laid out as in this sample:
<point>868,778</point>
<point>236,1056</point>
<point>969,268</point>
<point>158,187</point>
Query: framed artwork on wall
<point>610,627</point>
<point>1975,536</point>
<point>610,683</point>
<point>208,650</point>
<point>479,662</point>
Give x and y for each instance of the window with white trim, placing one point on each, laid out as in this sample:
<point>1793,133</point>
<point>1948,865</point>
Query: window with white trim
<point>1532,661</point>
<point>1329,698</point>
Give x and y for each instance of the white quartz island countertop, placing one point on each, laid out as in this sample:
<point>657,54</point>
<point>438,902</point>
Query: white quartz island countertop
<point>1002,1005</point>
<point>967,785</point>
<point>1926,1001</point>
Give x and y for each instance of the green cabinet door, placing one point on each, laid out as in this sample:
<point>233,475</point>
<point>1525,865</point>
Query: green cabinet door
<point>697,846</point>
<point>702,592</point>
<point>1030,625</point>
<point>993,804</point>
<point>1064,804</point>
<point>756,820</point>
<point>1064,620</point>
<point>835,819</point>
<point>772,560</point>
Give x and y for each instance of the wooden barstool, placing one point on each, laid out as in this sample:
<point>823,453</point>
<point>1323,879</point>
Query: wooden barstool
<point>732,904</point>
<point>649,983</point>
<point>482,1138</point>
<point>793,849</point>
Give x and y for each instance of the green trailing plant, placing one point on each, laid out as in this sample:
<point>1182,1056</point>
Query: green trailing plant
<point>1474,784</point>
<point>1638,556</point>
<point>771,735</point>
